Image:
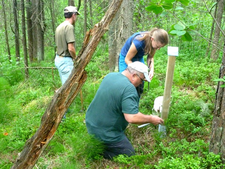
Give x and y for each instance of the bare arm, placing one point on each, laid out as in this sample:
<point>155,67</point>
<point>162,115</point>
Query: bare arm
<point>72,50</point>
<point>151,68</point>
<point>130,54</point>
<point>140,118</point>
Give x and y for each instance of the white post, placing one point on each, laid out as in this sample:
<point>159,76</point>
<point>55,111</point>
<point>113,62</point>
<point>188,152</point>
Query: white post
<point>172,53</point>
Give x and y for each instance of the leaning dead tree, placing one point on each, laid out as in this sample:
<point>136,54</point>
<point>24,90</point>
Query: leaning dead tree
<point>64,97</point>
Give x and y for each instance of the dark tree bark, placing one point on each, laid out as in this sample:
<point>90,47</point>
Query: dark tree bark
<point>24,39</point>
<point>29,29</point>
<point>6,31</point>
<point>16,29</point>
<point>66,94</point>
<point>220,8</point>
<point>217,140</point>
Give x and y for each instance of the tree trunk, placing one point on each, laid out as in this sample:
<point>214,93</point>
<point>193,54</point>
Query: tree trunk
<point>29,30</point>
<point>6,31</point>
<point>40,29</point>
<point>34,30</point>
<point>215,51</point>
<point>120,30</point>
<point>66,94</point>
<point>217,140</point>
<point>71,3</point>
<point>211,33</point>
<point>24,39</point>
<point>16,28</point>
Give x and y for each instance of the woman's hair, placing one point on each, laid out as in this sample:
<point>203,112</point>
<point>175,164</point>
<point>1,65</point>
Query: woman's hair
<point>159,35</point>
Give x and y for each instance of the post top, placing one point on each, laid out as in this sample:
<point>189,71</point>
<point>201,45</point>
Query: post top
<point>172,51</point>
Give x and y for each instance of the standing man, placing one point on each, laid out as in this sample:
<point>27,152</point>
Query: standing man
<point>65,43</point>
<point>114,106</point>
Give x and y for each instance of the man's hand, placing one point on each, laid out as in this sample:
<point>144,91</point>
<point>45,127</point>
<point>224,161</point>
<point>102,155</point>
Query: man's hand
<point>156,120</point>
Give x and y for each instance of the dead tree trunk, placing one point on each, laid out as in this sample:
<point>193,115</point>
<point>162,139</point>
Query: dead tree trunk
<point>64,97</point>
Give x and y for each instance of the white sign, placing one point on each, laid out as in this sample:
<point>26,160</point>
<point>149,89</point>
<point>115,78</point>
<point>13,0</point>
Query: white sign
<point>172,51</point>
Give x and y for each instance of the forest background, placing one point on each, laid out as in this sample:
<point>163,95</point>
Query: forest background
<point>28,79</point>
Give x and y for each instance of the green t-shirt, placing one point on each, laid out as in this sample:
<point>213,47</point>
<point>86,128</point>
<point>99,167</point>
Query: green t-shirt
<point>115,96</point>
<point>64,34</point>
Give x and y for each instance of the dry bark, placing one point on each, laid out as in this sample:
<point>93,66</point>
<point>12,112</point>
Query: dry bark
<point>64,97</point>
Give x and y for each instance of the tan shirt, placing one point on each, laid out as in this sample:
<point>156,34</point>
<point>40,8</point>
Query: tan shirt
<point>64,34</point>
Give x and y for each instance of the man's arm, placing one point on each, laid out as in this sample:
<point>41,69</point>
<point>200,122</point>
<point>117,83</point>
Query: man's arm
<point>72,50</point>
<point>140,118</point>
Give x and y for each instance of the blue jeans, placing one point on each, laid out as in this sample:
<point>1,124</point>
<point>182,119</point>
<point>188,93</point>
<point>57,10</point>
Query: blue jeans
<point>64,66</point>
<point>114,149</point>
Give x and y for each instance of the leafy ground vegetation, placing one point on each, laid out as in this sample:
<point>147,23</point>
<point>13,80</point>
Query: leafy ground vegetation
<point>186,145</point>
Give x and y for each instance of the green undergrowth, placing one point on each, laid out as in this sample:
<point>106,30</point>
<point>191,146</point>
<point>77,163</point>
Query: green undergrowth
<point>24,101</point>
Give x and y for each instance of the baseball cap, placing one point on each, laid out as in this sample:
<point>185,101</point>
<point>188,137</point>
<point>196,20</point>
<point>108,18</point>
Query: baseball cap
<point>71,9</point>
<point>140,67</point>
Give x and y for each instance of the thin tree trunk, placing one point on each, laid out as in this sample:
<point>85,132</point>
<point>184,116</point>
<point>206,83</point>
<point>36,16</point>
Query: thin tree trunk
<point>66,94</point>
<point>53,18</point>
<point>211,33</point>
<point>24,39</point>
<point>16,28</point>
<point>6,31</point>
<point>40,29</point>
<point>29,29</point>
<point>220,8</point>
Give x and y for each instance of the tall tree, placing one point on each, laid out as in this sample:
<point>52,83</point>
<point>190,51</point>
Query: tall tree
<point>24,38</point>
<point>120,29</point>
<point>217,140</point>
<point>40,28</point>
<point>65,96</point>
<point>220,9</point>
<point>6,30</point>
<point>16,30</point>
<point>29,29</point>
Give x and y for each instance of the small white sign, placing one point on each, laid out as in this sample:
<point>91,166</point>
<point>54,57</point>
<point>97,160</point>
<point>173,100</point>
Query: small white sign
<point>172,51</point>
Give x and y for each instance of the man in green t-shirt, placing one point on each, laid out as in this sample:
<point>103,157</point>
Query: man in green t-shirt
<point>114,106</point>
<point>65,43</point>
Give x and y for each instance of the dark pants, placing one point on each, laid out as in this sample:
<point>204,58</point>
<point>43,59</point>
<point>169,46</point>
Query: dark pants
<point>114,149</point>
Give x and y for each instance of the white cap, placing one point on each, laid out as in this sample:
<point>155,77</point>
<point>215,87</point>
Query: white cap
<point>71,9</point>
<point>140,67</point>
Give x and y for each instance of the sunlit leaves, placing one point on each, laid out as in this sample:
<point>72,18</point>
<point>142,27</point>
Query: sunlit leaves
<point>181,30</point>
<point>159,6</point>
<point>157,9</point>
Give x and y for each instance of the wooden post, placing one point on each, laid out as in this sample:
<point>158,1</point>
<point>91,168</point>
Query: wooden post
<point>172,53</point>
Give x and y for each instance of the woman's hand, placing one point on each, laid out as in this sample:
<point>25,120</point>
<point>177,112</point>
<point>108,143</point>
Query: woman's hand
<point>151,74</point>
